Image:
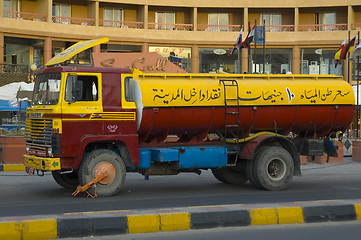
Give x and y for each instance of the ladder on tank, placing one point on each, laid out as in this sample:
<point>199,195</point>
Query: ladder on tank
<point>231,118</point>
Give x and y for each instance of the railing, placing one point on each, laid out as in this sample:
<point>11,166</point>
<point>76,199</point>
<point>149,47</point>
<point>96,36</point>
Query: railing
<point>280,28</point>
<point>13,68</point>
<point>73,20</point>
<point>25,16</point>
<point>356,26</point>
<point>322,27</point>
<point>121,24</point>
<point>171,26</point>
<point>219,28</point>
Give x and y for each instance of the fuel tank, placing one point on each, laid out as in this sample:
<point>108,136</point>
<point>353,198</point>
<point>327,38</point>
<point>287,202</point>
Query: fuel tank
<point>192,106</point>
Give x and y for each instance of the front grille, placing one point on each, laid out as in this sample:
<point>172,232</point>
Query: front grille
<point>38,131</point>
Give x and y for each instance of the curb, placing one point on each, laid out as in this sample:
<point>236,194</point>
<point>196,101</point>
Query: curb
<point>12,168</point>
<point>203,217</point>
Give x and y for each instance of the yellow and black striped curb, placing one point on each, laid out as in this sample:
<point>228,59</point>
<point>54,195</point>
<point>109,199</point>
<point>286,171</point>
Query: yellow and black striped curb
<point>87,224</point>
<point>12,168</point>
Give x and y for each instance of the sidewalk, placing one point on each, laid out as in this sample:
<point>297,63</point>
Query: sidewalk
<point>203,217</point>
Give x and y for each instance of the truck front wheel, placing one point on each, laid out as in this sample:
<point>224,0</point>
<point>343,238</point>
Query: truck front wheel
<point>102,161</point>
<point>272,168</point>
<point>66,180</point>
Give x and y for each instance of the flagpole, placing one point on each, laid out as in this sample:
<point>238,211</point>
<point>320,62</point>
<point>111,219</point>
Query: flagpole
<point>264,46</point>
<point>249,48</point>
<point>255,44</point>
<point>357,87</point>
<point>348,60</point>
<point>239,55</point>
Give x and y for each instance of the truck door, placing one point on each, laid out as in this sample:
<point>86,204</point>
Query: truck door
<point>81,106</point>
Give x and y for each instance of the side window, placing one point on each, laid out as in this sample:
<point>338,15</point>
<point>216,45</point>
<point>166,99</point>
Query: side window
<point>90,88</point>
<point>82,88</point>
<point>129,89</point>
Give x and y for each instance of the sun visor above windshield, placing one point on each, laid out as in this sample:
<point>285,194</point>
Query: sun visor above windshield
<point>75,49</point>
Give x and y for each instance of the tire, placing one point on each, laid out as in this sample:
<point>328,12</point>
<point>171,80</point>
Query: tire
<point>92,165</point>
<point>272,168</point>
<point>249,167</point>
<point>66,180</point>
<point>218,175</point>
<point>231,175</point>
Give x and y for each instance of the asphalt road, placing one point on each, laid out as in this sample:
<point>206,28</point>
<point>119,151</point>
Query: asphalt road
<point>23,195</point>
<point>329,231</point>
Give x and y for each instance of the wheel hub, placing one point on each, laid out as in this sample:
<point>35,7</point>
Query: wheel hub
<point>108,170</point>
<point>276,169</point>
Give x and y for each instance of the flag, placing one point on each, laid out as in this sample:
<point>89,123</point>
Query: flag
<point>260,35</point>
<point>356,52</point>
<point>247,42</point>
<point>341,52</point>
<point>350,46</point>
<point>238,42</point>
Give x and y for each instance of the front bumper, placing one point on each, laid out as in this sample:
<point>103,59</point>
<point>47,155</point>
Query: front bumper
<point>41,163</point>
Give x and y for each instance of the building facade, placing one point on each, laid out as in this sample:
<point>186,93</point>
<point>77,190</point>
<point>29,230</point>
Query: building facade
<point>197,35</point>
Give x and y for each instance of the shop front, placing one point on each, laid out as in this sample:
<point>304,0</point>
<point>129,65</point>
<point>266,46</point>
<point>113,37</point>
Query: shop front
<point>272,60</point>
<point>320,61</point>
<point>180,56</point>
<point>217,60</point>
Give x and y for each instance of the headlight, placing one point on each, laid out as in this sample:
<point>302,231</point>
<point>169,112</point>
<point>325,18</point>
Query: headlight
<point>50,152</point>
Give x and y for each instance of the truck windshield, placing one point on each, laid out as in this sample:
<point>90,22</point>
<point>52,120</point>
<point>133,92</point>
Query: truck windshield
<point>46,89</point>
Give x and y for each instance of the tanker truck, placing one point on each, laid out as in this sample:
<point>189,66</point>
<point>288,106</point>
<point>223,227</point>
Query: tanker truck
<point>91,125</point>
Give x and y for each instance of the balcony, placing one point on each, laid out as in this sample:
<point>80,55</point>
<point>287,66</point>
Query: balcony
<point>14,68</point>
<point>25,16</point>
<point>280,28</point>
<point>121,24</point>
<point>322,27</point>
<point>74,20</point>
<point>171,26</point>
<point>356,26</point>
<point>219,28</point>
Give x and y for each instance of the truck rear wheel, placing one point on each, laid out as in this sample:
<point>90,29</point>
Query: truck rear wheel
<point>231,175</point>
<point>272,168</point>
<point>95,163</point>
<point>66,180</point>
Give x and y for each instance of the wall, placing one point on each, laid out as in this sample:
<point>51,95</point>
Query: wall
<point>307,18</point>
<point>79,11</point>
<point>179,17</point>
<point>202,18</point>
<point>130,15</point>
<point>28,6</point>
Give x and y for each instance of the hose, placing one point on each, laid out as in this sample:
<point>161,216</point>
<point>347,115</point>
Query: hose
<point>242,140</point>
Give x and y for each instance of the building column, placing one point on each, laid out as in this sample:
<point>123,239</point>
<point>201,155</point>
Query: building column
<point>297,18</point>
<point>245,21</point>
<point>195,59</point>
<point>244,57</point>
<point>195,19</point>
<point>145,47</point>
<point>47,49</point>
<point>296,59</point>
<point>93,12</point>
<point>1,8</point>
<point>146,16</point>
<point>2,47</point>
<point>350,17</point>
<point>96,49</point>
